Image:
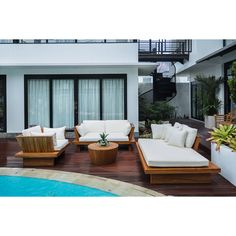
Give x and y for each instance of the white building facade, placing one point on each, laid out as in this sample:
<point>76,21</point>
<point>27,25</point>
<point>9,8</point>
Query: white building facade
<point>208,58</point>
<point>56,85</point>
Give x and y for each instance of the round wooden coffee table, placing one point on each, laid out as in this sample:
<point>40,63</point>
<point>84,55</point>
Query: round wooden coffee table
<point>101,155</point>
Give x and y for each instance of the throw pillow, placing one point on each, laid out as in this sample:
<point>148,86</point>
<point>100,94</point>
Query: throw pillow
<point>27,132</point>
<point>191,136</point>
<point>159,130</point>
<point>156,131</point>
<point>178,138</point>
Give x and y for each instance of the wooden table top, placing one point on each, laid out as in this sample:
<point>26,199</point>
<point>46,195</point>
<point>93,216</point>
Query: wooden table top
<point>97,147</point>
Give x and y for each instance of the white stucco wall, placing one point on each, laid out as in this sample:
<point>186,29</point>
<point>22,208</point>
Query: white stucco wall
<point>15,89</point>
<point>68,54</point>
<point>200,49</point>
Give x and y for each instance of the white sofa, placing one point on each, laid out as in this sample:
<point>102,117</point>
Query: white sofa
<point>119,131</point>
<point>172,157</point>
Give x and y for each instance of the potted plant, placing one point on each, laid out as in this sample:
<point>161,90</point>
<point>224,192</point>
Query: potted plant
<point>103,141</point>
<point>223,150</point>
<point>211,104</point>
<point>232,87</point>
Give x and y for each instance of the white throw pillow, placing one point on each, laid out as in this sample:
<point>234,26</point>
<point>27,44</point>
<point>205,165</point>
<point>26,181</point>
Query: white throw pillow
<point>156,131</point>
<point>169,132</point>
<point>46,134</point>
<point>27,132</point>
<point>191,136</point>
<point>60,132</point>
<point>82,130</point>
<point>159,130</point>
<point>177,138</point>
<point>164,130</point>
<point>178,126</point>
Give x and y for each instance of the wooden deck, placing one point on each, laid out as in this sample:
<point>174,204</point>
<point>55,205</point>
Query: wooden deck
<point>127,168</point>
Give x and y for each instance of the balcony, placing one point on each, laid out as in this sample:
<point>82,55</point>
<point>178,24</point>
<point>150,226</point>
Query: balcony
<point>164,50</point>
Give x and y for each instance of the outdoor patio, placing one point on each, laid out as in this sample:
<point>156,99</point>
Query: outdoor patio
<point>127,167</point>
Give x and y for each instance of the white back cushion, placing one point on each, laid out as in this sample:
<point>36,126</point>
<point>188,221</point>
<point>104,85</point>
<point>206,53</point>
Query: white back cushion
<point>50,134</point>
<point>60,132</point>
<point>27,132</point>
<point>177,138</point>
<point>117,126</point>
<point>94,126</point>
<point>159,130</point>
<point>191,136</point>
<point>169,132</point>
<point>81,129</point>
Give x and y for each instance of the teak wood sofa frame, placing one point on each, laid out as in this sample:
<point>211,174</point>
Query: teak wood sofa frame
<point>129,142</point>
<point>179,175</point>
<point>38,150</point>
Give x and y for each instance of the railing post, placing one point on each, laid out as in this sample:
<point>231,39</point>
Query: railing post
<point>150,45</point>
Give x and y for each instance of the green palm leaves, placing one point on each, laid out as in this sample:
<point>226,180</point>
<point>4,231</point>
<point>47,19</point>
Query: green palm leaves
<point>210,87</point>
<point>232,83</point>
<point>225,134</point>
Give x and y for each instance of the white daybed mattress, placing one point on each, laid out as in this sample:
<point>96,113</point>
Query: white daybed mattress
<point>158,153</point>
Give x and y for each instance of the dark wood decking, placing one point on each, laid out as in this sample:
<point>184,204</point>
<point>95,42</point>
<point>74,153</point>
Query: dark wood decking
<point>127,168</point>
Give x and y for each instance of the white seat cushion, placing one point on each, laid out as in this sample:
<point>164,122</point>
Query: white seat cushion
<point>91,126</point>
<point>117,137</point>
<point>27,132</point>
<point>60,144</point>
<point>117,126</point>
<point>60,132</point>
<point>90,137</point>
<point>158,153</point>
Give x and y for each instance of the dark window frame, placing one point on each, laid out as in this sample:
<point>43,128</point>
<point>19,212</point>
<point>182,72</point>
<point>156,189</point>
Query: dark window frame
<point>227,100</point>
<point>75,78</point>
<point>193,86</point>
<point>4,79</point>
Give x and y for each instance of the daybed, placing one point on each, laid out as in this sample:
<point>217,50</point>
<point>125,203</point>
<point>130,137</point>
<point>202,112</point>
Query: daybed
<point>119,131</point>
<point>166,161</point>
<point>40,147</point>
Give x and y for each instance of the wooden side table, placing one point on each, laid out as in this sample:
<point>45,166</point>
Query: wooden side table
<point>100,155</point>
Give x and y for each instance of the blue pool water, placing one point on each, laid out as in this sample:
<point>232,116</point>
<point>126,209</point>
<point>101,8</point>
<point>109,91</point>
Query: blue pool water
<point>26,187</point>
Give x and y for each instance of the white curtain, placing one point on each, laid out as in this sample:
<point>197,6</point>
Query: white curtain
<point>38,102</point>
<point>63,103</point>
<point>89,99</point>
<point>113,99</point>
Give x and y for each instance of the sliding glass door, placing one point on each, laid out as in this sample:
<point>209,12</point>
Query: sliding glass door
<point>38,102</point>
<point>89,99</point>
<point>113,99</point>
<point>66,100</point>
<point>63,103</point>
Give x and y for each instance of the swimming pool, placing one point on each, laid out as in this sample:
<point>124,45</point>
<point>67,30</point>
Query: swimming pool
<point>18,186</point>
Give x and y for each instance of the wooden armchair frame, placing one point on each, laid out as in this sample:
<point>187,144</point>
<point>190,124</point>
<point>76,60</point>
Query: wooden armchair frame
<point>179,175</point>
<point>223,119</point>
<point>38,150</point>
<point>129,142</point>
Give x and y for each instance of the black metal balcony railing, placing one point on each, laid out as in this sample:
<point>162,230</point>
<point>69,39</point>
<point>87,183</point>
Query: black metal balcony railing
<point>165,46</point>
<point>164,50</point>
